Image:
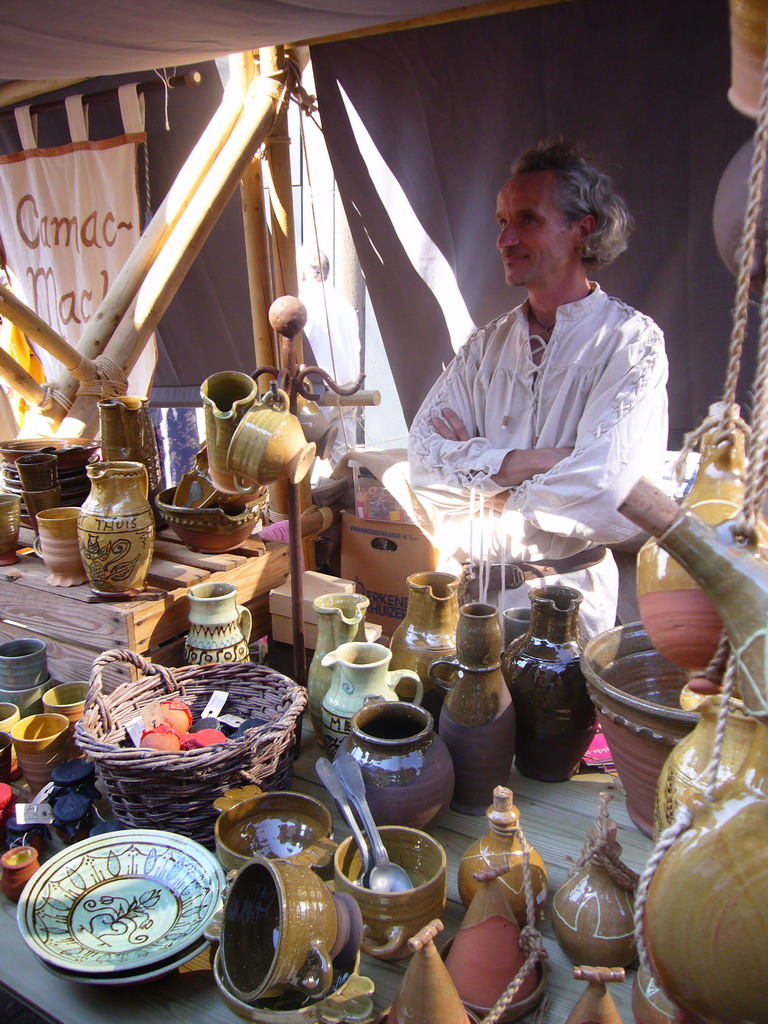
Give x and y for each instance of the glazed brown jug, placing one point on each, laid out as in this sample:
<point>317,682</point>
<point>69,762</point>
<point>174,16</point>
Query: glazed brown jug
<point>477,721</point>
<point>128,435</point>
<point>556,718</point>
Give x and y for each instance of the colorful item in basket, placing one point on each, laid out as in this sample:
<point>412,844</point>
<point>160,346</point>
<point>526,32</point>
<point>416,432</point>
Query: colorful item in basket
<point>203,738</point>
<point>161,737</point>
<point>177,715</point>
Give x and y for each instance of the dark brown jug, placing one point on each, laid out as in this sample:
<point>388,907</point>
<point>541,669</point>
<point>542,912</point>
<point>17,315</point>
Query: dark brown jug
<point>555,716</point>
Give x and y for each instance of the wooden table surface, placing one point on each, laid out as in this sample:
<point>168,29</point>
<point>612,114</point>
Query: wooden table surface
<point>555,818</point>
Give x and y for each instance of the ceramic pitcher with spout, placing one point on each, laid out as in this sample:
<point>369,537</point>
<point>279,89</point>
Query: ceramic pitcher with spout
<point>219,628</point>
<point>227,397</point>
<point>360,672</point>
<point>127,434</point>
<point>340,620</point>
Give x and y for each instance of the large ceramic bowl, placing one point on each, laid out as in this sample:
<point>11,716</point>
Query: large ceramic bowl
<point>71,452</point>
<point>120,900</point>
<point>636,692</point>
<point>212,529</point>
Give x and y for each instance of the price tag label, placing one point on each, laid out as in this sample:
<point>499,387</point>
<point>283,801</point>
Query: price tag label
<point>134,729</point>
<point>34,814</point>
<point>234,720</point>
<point>216,702</point>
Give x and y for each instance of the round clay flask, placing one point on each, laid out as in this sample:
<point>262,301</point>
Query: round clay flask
<point>406,767</point>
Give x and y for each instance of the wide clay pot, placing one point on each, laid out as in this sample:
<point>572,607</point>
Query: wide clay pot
<point>678,614</point>
<point>116,529</point>
<point>636,693</point>
<point>340,620</point>
<point>477,721</point>
<point>501,844</point>
<point>428,631</point>
<point>406,767</point>
<point>685,775</point>
<point>704,918</point>
<point>222,525</point>
<point>555,717</point>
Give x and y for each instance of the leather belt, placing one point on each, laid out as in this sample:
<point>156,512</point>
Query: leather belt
<point>517,573</point>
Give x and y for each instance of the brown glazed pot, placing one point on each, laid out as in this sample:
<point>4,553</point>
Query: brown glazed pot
<point>406,767</point>
<point>649,1004</point>
<point>636,692</point>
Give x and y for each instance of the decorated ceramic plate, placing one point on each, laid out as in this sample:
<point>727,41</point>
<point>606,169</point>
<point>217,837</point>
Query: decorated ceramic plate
<point>136,976</point>
<point>120,900</point>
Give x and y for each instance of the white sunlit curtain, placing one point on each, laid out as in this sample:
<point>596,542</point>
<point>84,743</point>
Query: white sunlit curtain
<point>69,218</point>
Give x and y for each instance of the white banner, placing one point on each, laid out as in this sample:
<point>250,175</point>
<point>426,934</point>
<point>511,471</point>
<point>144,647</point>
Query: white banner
<point>69,218</point>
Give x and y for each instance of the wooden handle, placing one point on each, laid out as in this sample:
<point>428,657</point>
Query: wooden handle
<point>599,975</point>
<point>650,508</point>
<point>427,934</point>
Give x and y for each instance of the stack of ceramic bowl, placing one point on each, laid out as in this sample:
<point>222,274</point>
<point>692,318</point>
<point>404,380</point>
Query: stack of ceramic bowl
<point>72,458</point>
<point>24,675</point>
<point>121,907</point>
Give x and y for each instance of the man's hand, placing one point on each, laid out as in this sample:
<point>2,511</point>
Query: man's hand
<point>450,427</point>
<point>523,463</point>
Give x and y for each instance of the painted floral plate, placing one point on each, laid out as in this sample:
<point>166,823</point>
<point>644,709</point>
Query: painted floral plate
<point>138,975</point>
<point>120,900</point>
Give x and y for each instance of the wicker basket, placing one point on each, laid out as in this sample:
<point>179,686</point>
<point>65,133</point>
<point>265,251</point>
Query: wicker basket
<point>175,790</point>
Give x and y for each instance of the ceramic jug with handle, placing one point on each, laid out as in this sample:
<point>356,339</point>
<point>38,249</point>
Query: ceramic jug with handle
<point>340,620</point>
<point>227,397</point>
<point>360,672</point>
<point>219,628</point>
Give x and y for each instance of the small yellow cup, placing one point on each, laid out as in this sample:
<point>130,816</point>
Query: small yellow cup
<point>41,742</point>
<point>67,699</point>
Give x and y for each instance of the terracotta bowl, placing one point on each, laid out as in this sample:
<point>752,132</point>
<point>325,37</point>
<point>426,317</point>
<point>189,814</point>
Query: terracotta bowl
<point>636,692</point>
<point>71,452</point>
<point>211,529</point>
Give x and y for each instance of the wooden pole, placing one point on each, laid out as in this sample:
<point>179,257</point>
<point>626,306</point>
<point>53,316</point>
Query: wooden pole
<point>21,381</point>
<point>266,97</point>
<point>38,330</point>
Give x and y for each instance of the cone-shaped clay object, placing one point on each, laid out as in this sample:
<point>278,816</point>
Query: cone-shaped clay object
<point>485,955</point>
<point>427,994</point>
<point>501,845</point>
<point>596,1005</point>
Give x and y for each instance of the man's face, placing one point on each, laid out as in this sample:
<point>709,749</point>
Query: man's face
<point>538,247</point>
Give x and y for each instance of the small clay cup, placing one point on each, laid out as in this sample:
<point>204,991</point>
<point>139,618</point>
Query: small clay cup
<point>36,501</point>
<point>38,472</point>
<point>41,742</point>
<point>56,543</point>
<point>67,699</point>
<point>390,919</point>
<point>18,865</point>
<point>9,716</point>
<point>515,623</point>
<point>279,824</point>
<point>269,445</point>
<point>279,926</point>
<point>23,663</point>
<point>29,701</point>
<point>6,757</point>
<point>10,520</point>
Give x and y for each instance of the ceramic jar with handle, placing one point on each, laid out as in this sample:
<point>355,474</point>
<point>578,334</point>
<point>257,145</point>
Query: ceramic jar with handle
<point>340,620</point>
<point>219,628</point>
<point>127,434</point>
<point>116,529</point>
<point>360,672</point>
<point>227,396</point>
<point>269,445</point>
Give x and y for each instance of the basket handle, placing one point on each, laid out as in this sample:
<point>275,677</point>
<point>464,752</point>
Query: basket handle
<point>121,654</point>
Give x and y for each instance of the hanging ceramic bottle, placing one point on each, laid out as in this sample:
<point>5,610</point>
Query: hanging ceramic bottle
<point>592,911</point>
<point>502,845</point>
<point>679,616</point>
<point>360,672</point>
<point>427,994</point>
<point>428,631</point>
<point>555,715</point>
<point>484,956</point>
<point>685,774</point>
<point>116,529</point>
<point>340,619</point>
<point>596,1006</point>
<point>477,721</point>
<point>128,435</point>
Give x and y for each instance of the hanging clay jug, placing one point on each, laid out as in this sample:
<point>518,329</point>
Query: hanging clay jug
<point>116,529</point>
<point>360,672</point>
<point>685,774</point>
<point>227,397</point>
<point>592,911</point>
<point>128,435</point>
<point>677,613</point>
<point>428,631</point>
<point>340,619</point>
<point>269,445</point>
<point>484,956</point>
<point>477,721</point>
<point>649,1004</point>
<point>555,715</point>
<point>596,1006</point>
<point>501,844</point>
<point>219,628</point>
<point>406,767</point>
<point>427,994</point>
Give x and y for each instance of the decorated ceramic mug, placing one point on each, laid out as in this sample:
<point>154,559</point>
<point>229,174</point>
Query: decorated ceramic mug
<point>269,445</point>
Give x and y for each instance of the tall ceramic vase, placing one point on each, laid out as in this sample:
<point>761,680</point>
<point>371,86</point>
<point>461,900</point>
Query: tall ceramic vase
<point>428,631</point>
<point>116,529</point>
<point>555,716</point>
<point>477,721</point>
<point>128,435</point>
<point>340,620</point>
<point>677,613</point>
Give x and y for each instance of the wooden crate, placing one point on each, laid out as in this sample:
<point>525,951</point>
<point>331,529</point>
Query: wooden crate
<point>78,625</point>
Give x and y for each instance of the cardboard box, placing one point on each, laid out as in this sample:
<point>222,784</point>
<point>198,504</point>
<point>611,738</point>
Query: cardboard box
<point>373,500</point>
<point>282,631</point>
<point>315,584</point>
<point>380,557</point>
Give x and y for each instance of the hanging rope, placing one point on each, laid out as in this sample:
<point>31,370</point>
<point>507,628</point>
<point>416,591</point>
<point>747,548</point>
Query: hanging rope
<point>101,377</point>
<point>600,849</point>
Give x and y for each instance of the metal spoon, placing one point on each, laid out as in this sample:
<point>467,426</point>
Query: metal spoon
<point>384,876</point>
<point>330,780</point>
